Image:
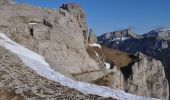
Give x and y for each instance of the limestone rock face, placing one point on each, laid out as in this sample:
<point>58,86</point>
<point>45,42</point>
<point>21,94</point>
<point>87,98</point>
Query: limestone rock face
<point>137,74</point>
<point>148,78</point>
<point>76,11</point>
<point>55,34</point>
<point>145,77</point>
<point>92,37</point>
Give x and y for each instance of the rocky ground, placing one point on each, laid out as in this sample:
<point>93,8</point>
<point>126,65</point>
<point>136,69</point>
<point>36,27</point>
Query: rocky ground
<point>18,82</point>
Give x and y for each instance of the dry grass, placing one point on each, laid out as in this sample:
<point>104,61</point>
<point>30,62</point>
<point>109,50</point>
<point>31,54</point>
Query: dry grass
<point>106,80</point>
<point>91,52</point>
<point>120,59</point>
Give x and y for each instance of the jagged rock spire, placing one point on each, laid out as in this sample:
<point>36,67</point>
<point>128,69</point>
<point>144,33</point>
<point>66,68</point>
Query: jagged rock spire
<point>75,10</point>
<point>92,36</point>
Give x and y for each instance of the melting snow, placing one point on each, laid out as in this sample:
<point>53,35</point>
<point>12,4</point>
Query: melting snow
<point>32,23</point>
<point>107,65</point>
<point>96,54</point>
<point>38,64</point>
<point>95,45</point>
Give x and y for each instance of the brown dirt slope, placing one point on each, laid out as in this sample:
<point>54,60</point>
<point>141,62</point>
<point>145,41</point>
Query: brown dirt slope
<point>119,59</point>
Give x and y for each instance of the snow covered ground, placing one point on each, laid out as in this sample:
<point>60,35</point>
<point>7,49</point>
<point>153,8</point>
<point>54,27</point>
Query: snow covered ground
<point>32,23</point>
<point>107,65</point>
<point>96,54</point>
<point>37,63</point>
<point>95,45</point>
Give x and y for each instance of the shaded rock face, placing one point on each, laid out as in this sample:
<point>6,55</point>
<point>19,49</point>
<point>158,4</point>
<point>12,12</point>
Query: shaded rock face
<point>145,77</point>
<point>55,34</point>
<point>155,44</point>
<point>137,74</point>
<point>92,38</point>
<point>148,78</point>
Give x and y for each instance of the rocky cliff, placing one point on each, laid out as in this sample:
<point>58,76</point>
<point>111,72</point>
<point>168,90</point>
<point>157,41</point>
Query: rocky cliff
<point>92,38</point>
<point>62,37</point>
<point>50,33</point>
<point>58,35</point>
<point>154,44</point>
<point>147,78</point>
<point>137,74</point>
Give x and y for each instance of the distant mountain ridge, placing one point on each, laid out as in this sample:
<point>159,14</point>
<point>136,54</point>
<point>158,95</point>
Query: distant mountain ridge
<point>158,38</point>
<point>160,33</point>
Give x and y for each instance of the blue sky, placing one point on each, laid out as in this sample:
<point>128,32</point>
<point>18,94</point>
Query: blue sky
<point>110,15</point>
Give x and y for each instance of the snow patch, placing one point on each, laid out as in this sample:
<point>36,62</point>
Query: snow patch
<point>32,23</point>
<point>96,54</point>
<point>38,64</point>
<point>107,65</point>
<point>95,45</point>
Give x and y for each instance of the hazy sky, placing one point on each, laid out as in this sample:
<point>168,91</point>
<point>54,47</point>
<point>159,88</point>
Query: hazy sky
<point>110,15</point>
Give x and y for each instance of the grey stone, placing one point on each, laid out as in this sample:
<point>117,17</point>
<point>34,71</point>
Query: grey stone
<point>145,78</point>
<point>55,34</point>
<point>92,37</point>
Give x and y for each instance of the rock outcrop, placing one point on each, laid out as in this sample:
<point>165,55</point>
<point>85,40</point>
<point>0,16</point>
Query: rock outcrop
<point>147,77</point>
<point>55,34</point>
<point>76,11</point>
<point>144,77</point>
<point>92,38</point>
<point>155,44</point>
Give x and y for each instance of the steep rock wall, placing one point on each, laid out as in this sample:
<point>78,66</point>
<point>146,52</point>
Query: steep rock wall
<point>55,34</point>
